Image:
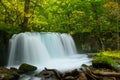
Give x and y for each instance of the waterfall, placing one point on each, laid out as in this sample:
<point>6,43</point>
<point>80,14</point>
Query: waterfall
<point>41,48</point>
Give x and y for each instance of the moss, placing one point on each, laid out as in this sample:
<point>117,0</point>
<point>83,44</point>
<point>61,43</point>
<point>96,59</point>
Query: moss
<point>8,74</point>
<point>104,62</point>
<point>112,54</point>
<point>24,68</point>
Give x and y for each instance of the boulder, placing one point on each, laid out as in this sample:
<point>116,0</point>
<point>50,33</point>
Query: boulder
<point>7,74</point>
<point>25,68</point>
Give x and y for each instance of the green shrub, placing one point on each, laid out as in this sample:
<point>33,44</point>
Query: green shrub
<point>104,62</point>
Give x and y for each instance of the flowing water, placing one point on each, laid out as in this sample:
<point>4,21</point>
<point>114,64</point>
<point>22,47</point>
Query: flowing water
<point>45,49</point>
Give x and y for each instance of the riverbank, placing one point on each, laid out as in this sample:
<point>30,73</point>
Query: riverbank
<point>103,67</point>
<point>83,73</point>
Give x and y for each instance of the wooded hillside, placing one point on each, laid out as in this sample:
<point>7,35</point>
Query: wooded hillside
<point>95,23</point>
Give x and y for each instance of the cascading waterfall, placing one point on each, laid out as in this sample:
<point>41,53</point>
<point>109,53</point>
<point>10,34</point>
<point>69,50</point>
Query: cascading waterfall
<point>44,48</point>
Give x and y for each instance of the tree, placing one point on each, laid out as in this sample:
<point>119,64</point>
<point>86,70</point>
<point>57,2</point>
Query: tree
<point>26,11</point>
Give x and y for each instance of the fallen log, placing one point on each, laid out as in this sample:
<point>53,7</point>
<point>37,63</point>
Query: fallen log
<point>56,72</point>
<point>107,74</point>
<point>100,75</point>
<point>88,73</point>
<point>51,74</point>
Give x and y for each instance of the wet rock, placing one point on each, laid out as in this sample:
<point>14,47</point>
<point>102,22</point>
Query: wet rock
<point>82,76</point>
<point>50,74</point>
<point>72,75</point>
<point>13,69</point>
<point>25,68</point>
<point>7,74</point>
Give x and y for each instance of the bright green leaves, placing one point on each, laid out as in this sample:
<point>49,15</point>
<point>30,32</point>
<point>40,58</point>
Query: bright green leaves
<point>72,16</point>
<point>12,15</point>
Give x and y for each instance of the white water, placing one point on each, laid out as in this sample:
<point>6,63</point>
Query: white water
<point>51,50</point>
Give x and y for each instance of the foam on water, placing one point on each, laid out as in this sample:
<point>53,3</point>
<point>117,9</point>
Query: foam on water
<point>45,49</point>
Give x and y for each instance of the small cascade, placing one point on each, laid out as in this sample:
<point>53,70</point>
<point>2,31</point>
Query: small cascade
<point>43,48</point>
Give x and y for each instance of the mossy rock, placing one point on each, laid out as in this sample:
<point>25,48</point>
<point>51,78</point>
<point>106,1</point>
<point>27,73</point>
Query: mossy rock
<point>104,62</point>
<point>25,68</point>
<point>7,74</point>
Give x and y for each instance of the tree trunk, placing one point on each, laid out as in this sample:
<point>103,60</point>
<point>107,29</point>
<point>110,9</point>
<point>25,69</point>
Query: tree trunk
<point>98,29</point>
<point>26,18</point>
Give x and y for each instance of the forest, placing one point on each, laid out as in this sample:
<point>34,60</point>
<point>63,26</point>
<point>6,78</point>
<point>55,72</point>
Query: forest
<point>94,24</point>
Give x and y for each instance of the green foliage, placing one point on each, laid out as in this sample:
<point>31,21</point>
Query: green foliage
<point>70,16</point>
<point>104,62</point>
<point>112,54</point>
<point>55,15</point>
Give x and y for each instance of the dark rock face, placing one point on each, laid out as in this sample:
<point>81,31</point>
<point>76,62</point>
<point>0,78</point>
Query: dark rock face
<point>4,40</point>
<point>25,68</point>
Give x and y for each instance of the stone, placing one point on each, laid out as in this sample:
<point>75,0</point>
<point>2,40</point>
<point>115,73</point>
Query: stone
<point>25,68</point>
<point>7,74</point>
